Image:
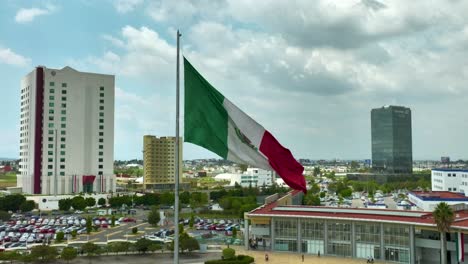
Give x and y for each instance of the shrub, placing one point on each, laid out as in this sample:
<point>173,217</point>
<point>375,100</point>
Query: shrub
<point>134,230</point>
<point>241,259</point>
<point>60,236</point>
<point>229,253</point>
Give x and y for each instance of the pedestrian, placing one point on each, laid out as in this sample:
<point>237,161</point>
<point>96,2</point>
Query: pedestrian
<point>266,257</point>
<point>302,257</point>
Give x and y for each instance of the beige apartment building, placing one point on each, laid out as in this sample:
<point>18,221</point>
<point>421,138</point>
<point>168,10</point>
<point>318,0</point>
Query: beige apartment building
<point>159,162</point>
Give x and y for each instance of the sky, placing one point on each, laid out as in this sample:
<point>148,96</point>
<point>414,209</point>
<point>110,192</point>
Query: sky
<point>309,71</point>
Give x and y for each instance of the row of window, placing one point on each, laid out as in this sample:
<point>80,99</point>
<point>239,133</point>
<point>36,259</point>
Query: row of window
<point>64,85</point>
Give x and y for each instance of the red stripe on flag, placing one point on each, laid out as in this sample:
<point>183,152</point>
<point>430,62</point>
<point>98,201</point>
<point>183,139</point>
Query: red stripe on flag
<point>283,162</point>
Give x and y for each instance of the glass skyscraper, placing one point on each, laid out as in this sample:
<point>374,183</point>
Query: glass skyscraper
<point>392,150</point>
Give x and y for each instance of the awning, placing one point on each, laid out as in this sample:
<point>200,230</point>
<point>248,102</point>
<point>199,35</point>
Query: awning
<point>87,179</point>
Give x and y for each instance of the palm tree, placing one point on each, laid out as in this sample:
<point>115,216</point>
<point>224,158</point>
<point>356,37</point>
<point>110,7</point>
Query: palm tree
<point>443,216</point>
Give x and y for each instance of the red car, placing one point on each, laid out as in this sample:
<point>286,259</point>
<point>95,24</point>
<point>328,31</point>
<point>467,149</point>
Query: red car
<point>104,225</point>
<point>128,219</point>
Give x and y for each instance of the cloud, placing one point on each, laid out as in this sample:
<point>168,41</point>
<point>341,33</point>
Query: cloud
<point>26,15</point>
<point>9,57</point>
<point>125,6</point>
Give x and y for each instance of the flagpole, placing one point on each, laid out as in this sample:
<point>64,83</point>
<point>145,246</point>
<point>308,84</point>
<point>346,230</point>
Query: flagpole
<point>177,154</point>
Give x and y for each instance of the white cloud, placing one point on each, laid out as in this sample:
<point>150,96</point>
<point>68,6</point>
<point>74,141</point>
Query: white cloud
<point>125,6</point>
<point>7,56</point>
<point>26,15</point>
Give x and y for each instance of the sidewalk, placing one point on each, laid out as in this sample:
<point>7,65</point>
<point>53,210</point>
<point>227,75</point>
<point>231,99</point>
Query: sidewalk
<point>293,258</point>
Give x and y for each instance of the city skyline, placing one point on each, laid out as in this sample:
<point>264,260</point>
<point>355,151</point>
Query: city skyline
<point>325,68</point>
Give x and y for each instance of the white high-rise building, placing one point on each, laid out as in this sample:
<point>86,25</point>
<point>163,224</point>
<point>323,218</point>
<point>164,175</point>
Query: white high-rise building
<point>66,132</point>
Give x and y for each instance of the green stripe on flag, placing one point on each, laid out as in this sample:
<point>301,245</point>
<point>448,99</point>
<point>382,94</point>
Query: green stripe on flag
<point>205,118</point>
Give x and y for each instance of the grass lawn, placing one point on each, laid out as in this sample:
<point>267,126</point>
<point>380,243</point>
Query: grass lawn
<point>8,179</point>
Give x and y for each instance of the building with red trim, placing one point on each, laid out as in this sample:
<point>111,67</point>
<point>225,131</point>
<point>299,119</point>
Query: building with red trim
<point>66,132</point>
<point>282,224</point>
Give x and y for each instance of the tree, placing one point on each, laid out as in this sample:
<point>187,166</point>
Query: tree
<point>43,254</point>
<point>102,201</point>
<point>65,204</point>
<point>60,236</point>
<point>184,197</point>
<point>315,188</point>
<point>78,203</point>
<point>113,221</point>
<point>444,217</point>
<point>322,194</point>
<point>153,247</point>
<point>153,216</point>
<point>311,199</point>
<point>10,256</point>
<point>191,221</point>
<point>27,206</point>
<point>134,230</point>
<point>68,253</point>
<point>12,202</point>
<point>346,192</point>
<point>74,233</point>
<point>90,249</point>
<point>4,216</point>
<point>234,232</point>
<point>316,171</point>
<point>90,202</point>
<point>142,245</point>
<point>89,224</point>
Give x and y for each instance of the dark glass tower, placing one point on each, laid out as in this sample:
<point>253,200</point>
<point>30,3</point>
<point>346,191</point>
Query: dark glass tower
<point>392,150</point>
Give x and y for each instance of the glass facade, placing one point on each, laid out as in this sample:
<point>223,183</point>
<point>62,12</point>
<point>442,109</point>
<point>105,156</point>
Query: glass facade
<point>389,242</point>
<point>339,239</point>
<point>285,235</point>
<point>367,237</point>
<point>312,234</point>
<point>391,139</point>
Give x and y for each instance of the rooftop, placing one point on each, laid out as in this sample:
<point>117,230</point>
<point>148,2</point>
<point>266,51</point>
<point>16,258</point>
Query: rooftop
<point>419,218</point>
<point>440,196</point>
<point>451,169</point>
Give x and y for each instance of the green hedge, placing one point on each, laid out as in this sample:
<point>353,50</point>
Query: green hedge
<point>241,259</point>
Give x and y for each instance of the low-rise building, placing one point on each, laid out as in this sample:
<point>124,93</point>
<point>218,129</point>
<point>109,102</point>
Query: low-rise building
<point>452,180</point>
<point>427,201</point>
<point>283,224</point>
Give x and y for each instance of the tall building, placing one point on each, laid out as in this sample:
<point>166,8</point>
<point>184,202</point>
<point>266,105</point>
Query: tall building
<point>159,162</point>
<point>392,150</point>
<point>66,132</point>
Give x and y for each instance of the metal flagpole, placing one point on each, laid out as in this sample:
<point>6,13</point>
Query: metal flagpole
<point>177,154</point>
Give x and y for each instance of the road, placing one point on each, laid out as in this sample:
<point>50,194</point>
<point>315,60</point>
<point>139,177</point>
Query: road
<point>166,258</point>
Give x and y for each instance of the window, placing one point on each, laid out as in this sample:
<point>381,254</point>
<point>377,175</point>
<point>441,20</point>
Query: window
<point>101,101</point>
<point>63,118</point>
<point>62,145</point>
<point>62,152</point>
<point>101,146</point>
<point>64,85</point>
<point>62,159</point>
<point>63,125</point>
<point>50,153</point>
<point>101,120</point>
<point>51,104</point>
<point>51,132</point>
<point>51,139</point>
<point>51,97</point>
<point>101,88</point>
<point>51,111</point>
<point>62,173</point>
<point>62,166</point>
<point>101,134</point>
<point>101,94</point>
<point>51,125</point>
<point>450,189</point>
<point>50,160</point>
<point>64,91</point>
<point>62,139</point>
<point>64,98</point>
<point>101,114</point>
<point>50,166</point>
<point>49,173</point>
<point>101,159</point>
<point>101,140</point>
<point>50,146</point>
<point>64,112</point>
<point>101,107</point>
<point>101,127</point>
<point>64,105</point>
<point>51,118</point>
<point>99,172</point>
<point>62,132</point>
<point>101,153</point>
<point>51,84</point>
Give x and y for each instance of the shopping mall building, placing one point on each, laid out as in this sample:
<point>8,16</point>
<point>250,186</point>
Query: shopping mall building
<point>283,224</point>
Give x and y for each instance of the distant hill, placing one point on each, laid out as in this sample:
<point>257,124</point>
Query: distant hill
<point>7,159</point>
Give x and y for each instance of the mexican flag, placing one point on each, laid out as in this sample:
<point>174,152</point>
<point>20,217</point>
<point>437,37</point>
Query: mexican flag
<point>215,123</point>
